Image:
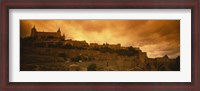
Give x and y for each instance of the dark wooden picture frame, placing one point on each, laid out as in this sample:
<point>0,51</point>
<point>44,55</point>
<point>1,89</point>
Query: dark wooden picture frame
<point>118,4</point>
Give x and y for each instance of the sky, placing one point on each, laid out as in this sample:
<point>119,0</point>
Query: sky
<point>156,37</point>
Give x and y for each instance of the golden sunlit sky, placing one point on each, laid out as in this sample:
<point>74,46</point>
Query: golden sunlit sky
<point>156,37</point>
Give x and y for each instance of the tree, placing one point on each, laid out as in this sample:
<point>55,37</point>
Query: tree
<point>92,67</point>
<point>76,59</point>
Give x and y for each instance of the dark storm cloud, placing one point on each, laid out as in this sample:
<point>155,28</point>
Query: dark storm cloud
<point>156,37</point>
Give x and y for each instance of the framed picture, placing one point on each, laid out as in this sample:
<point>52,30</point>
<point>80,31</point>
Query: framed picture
<point>93,45</point>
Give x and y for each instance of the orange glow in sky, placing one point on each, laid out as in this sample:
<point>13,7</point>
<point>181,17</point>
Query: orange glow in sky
<point>156,37</point>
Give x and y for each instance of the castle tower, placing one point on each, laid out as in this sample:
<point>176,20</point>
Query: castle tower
<point>63,36</point>
<point>33,31</point>
<point>58,31</point>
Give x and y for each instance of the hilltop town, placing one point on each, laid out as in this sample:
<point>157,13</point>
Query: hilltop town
<point>50,51</point>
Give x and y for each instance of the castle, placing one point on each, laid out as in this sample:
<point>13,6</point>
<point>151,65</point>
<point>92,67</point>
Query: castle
<point>47,36</point>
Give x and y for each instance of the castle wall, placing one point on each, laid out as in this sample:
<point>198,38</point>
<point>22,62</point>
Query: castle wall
<point>46,34</point>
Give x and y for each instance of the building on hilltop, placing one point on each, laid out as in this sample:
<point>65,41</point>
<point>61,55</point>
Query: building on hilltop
<point>76,43</point>
<point>47,36</point>
<point>112,46</point>
<point>94,45</point>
